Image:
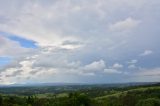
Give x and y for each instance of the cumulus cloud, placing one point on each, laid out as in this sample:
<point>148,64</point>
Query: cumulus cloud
<point>146,52</point>
<point>71,44</point>
<point>132,66</point>
<point>132,61</point>
<point>11,48</point>
<point>53,22</point>
<point>149,72</point>
<point>124,25</point>
<point>95,66</point>
<point>115,69</point>
<point>77,38</point>
<point>117,66</point>
<point>39,67</point>
<point>112,71</point>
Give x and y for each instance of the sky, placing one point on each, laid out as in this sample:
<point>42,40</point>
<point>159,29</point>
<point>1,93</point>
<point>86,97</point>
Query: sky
<point>79,41</point>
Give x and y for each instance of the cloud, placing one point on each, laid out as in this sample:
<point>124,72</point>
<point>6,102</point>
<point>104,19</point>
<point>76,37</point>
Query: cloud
<point>124,25</point>
<point>53,22</point>
<point>115,69</point>
<point>40,68</point>
<point>112,71</point>
<point>75,39</point>
<point>71,44</point>
<point>117,66</point>
<point>149,72</point>
<point>132,61</point>
<point>132,66</point>
<point>145,75</point>
<point>11,48</point>
<point>95,66</point>
<point>146,53</point>
<point>24,71</point>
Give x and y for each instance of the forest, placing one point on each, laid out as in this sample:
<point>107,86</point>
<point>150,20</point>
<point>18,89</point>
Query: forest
<point>81,95</point>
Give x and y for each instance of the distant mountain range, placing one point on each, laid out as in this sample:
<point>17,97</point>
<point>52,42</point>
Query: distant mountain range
<point>80,84</point>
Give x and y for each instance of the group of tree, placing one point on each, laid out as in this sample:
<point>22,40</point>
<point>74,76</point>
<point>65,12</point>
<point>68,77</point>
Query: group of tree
<point>149,96</point>
<point>73,99</point>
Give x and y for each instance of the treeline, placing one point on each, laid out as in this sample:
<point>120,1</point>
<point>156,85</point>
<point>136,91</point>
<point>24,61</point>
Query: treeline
<point>73,99</point>
<point>142,96</point>
<point>136,97</point>
<point>92,90</point>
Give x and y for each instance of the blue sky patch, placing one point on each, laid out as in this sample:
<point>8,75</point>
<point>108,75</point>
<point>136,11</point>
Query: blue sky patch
<point>23,42</point>
<point>4,60</point>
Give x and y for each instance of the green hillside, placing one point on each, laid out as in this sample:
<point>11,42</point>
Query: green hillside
<point>142,96</point>
<point>88,96</point>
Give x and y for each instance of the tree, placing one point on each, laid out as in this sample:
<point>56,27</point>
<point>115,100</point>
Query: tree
<point>1,100</point>
<point>30,100</point>
<point>149,102</point>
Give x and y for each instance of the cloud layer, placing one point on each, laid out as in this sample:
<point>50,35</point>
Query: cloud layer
<point>79,41</point>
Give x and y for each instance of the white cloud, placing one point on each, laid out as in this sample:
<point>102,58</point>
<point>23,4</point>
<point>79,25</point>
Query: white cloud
<point>132,66</point>
<point>124,25</point>
<point>11,48</point>
<point>38,22</point>
<point>39,68</point>
<point>117,66</point>
<point>146,52</point>
<point>95,66</point>
<point>24,71</point>
<point>112,71</point>
<point>149,72</point>
<point>70,33</point>
<point>132,61</point>
<point>51,23</point>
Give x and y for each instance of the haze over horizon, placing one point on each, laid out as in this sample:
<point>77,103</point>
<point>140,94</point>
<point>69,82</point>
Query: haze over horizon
<point>79,41</point>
